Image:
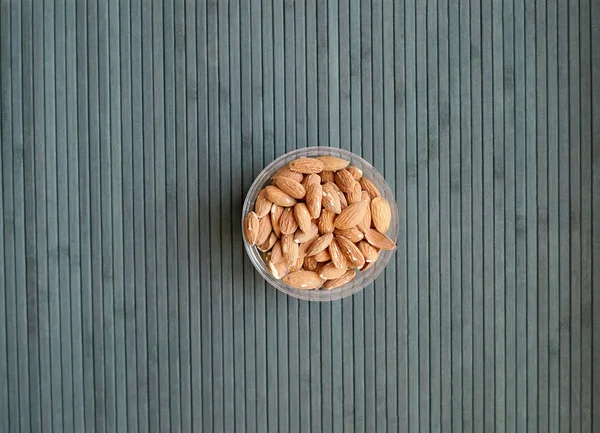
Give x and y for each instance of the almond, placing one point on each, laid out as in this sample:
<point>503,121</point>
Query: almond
<point>286,172</point>
<point>355,172</point>
<point>303,280</point>
<point>287,223</point>
<point>262,206</point>
<point>320,244</point>
<point>327,176</point>
<point>367,266</point>
<point>351,252</point>
<point>302,216</point>
<point>332,163</point>
<point>276,212</point>
<point>323,256</point>
<point>337,256</point>
<point>264,230</point>
<point>355,195</point>
<point>290,187</point>
<point>369,187</point>
<point>310,263</point>
<point>351,216</point>
<point>354,234</point>
<point>251,225</point>
<point>330,272</point>
<point>278,270</point>
<point>289,248</point>
<point>343,201</point>
<point>369,252</point>
<point>325,222</point>
<point>277,253</point>
<point>306,165</point>
<point>268,244</point>
<point>314,197</point>
<point>298,265</point>
<point>277,196</point>
<point>365,223</point>
<point>365,196</point>
<point>344,180</point>
<point>379,240</point>
<point>331,200</point>
<point>311,234</point>
<point>311,179</point>
<point>339,282</point>
<point>303,249</point>
<point>381,214</point>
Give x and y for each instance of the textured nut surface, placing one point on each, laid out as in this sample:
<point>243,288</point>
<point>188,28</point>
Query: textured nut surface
<point>332,163</point>
<point>354,234</point>
<point>277,196</point>
<point>303,280</point>
<point>339,282</point>
<point>355,195</point>
<point>302,216</point>
<point>369,252</point>
<point>279,269</point>
<point>331,199</point>
<point>320,244</point>
<point>276,212</point>
<point>268,244</point>
<point>327,176</point>
<point>351,215</point>
<point>369,187</point>
<point>355,172</point>
<point>381,214</point>
<point>287,223</point>
<point>262,206</point>
<point>325,222</point>
<point>264,229</point>
<point>289,249</point>
<point>337,256</point>
<point>306,165</point>
<point>331,272</point>
<point>286,172</point>
<point>379,240</point>
<point>323,256</point>
<point>351,252</point>
<point>251,225</point>
<point>290,187</point>
<point>344,180</point>
<point>314,198</point>
<point>311,234</point>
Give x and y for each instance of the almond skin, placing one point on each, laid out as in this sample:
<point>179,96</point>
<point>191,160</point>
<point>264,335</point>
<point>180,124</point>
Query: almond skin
<point>277,253</point>
<point>276,212</point>
<point>306,165</point>
<point>355,172</point>
<point>268,244</point>
<point>381,214</point>
<point>355,195</point>
<point>278,270</point>
<point>314,197</point>
<point>339,282</point>
<point>369,187</point>
<point>365,223</point>
<point>344,180</point>
<point>320,244</point>
<point>311,234</point>
<point>251,225</point>
<point>354,234</point>
<point>302,216</point>
<point>331,200</point>
<point>264,230</point>
<point>287,223</point>
<point>325,222</point>
<point>303,280</point>
<point>262,206</point>
<point>311,179</point>
<point>290,187</point>
<point>310,263</point>
<point>327,176</point>
<point>369,252</point>
<point>351,216</point>
<point>277,196</point>
<point>330,272</point>
<point>337,256</point>
<point>332,163</point>
<point>351,252</point>
<point>289,248</point>
<point>286,172</point>
<point>379,240</point>
<point>323,256</point>
<point>343,201</point>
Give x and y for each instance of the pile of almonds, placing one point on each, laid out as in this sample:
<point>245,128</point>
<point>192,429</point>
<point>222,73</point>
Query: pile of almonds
<point>318,222</point>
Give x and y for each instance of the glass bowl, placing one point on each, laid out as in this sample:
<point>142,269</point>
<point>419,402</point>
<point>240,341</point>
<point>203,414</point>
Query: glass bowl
<point>363,278</point>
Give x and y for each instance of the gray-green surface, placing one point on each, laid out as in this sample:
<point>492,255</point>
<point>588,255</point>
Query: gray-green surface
<point>131,132</point>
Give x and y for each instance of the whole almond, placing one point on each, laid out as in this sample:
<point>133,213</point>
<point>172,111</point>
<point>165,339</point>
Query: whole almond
<point>276,212</point>
<point>287,223</point>
<point>298,265</point>
<point>370,187</point>
<point>381,214</point>
<point>311,234</point>
<point>369,252</point>
<point>365,196</point>
<point>325,222</point>
<point>286,172</point>
<point>365,223</point>
<point>339,282</point>
<point>289,248</point>
<point>251,225</point>
<point>379,240</point>
<point>303,280</point>
<point>343,201</point>
<point>311,179</point>
<point>264,229</point>
<point>327,176</point>
<point>306,165</point>
<point>277,196</point>
<point>351,216</point>
<point>262,206</point>
<point>355,195</point>
<point>332,163</point>
<point>320,244</point>
<point>314,197</point>
<point>323,256</point>
<point>279,269</point>
<point>351,252</point>
<point>367,266</point>
<point>331,199</point>
<point>344,180</point>
<point>330,272</point>
<point>303,249</point>
<point>310,263</point>
<point>354,234</point>
<point>277,253</point>
<point>290,187</point>
<point>268,244</point>
<point>302,216</point>
<point>355,172</point>
<point>337,256</point>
